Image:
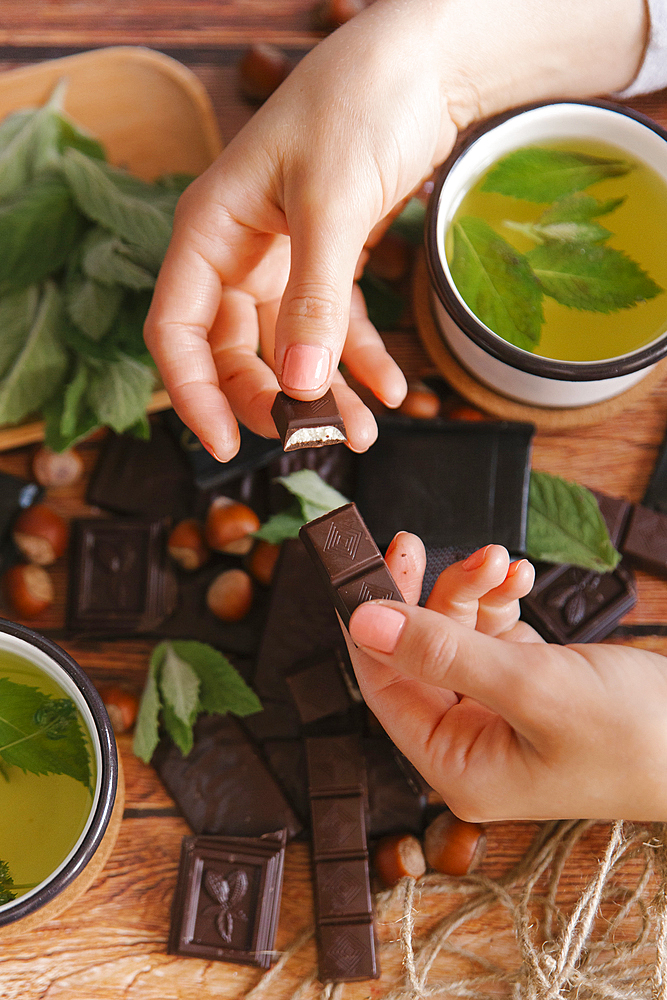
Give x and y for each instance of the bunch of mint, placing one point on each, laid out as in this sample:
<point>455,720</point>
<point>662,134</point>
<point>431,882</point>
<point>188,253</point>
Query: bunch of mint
<point>571,262</point>
<point>82,243</point>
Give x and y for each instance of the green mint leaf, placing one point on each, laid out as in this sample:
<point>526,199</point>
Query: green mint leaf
<point>578,208</point>
<point>589,276</point>
<point>180,733</point>
<point>91,305</point>
<point>127,333</point>
<point>565,525</point>
<point>542,175</point>
<point>146,733</point>
<point>67,415</point>
<point>105,258</point>
<point>179,686</point>
<point>563,232</point>
<point>17,312</point>
<point>6,884</point>
<point>496,282</point>
<point>133,219</point>
<point>285,524</point>
<point>410,223</point>
<point>41,734</point>
<point>314,495</point>
<point>384,305</point>
<point>39,228</point>
<point>38,371</point>
<point>28,142</point>
<point>119,392</point>
<point>222,688</point>
<point>72,136</point>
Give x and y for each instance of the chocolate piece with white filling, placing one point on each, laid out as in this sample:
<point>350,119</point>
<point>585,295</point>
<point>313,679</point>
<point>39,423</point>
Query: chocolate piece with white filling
<point>308,423</point>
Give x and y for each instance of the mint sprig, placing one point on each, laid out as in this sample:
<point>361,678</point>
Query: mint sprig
<point>538,174</point>
<point>312,498</point>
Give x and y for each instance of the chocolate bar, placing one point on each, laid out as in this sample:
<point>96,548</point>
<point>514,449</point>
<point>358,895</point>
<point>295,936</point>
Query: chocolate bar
<point>318,688</point>
<point>223,786</point>
<point>227,898</point>
<point>343,903</point>
<point>655,497</point>
<point>616,513</point>
<point>645,541</point>
<point>308,423</point>
<point>348,560</point>
<point>119,578</point>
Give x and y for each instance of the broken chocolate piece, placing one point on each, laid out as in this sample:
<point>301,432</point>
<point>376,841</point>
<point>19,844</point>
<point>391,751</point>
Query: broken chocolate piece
<point>227,898</point>
<point>645,541</point>
<point>119,578</point>
<point>308,424</point>
<point>318,688</point>
<point>348,560</point>
<point>615,512</point>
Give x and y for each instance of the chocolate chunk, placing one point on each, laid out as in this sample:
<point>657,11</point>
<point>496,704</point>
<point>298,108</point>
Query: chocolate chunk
<point>308,424</point>
<point>568,604</point>
<point>227,898</point>
<point>348,560</point>
<point>119,578</point>
<point>454,484</point>
<point>615,512</point>
<point>223,786</point>
<point>645,541</point>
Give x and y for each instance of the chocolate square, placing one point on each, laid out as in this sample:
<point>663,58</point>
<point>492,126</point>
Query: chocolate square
<point>318,689</point>
<point>227,899</point>
<point>308,424</point>
<point>119,579</point>
<point>342,888</point>
<point>453,484</point>
<point>339,825</point>
<point>347,952</point>
<point>335,765</point>
<point>645,541</point>
<point>615,512</point>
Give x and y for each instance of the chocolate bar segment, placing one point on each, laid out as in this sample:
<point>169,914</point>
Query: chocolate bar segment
<point>318,689</point>
<point>348,560</point>
<point>308,424</point>
<point>645,541</point>
<point>227,898</point>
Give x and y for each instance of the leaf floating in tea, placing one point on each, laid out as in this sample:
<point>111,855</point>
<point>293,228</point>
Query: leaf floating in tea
<point>496,282</point>
<point>6,884</point>
<point>578,208</point>
<point>589,276</point>
<point>542,175</point>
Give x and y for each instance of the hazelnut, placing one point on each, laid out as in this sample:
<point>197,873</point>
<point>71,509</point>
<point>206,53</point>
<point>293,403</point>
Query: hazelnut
<point>186,545</point>
<point>40,534</point>
<point>28,589</point>
<point>121,706</point>
<point>465,413</point>
<point>262,561</point>
<point>389,258</point>
<point>453,846</point>
<point>331,14</point>
<point>56,468</point>
<point>229,525</point>
<point>229,595</point>
<point>421,403</point>
<point>399,855</point>
<point>262,69</point>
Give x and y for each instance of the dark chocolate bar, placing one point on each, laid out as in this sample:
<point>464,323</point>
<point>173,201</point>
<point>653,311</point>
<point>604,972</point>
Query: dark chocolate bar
<point>223,786</point>
<point>227,898</point>
<point>318,688</point>
<point>645,540</point>
<point>616,513</point>
<point>119,577</point>
<point>308,424</point>
<point>656,493</point>
<point>348,559</point>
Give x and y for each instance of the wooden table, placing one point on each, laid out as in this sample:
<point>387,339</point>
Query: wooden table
<point>112,943</point>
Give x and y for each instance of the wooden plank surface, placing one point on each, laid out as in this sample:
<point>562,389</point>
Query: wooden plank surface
<point>112,943</point>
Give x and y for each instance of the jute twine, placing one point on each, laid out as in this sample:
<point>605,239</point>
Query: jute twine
<point>610,944</point>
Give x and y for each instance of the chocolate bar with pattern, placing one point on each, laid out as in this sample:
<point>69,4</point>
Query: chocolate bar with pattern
<point>348,560</point>
<point>308,423</point>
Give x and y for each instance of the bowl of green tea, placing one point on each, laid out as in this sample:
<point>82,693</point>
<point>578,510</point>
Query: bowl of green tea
<point>58,776</point>
<point>545,249</point>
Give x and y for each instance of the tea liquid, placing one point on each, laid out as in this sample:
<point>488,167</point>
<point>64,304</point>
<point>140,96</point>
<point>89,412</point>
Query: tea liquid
<point>639,228</point>
<point>41,816</point>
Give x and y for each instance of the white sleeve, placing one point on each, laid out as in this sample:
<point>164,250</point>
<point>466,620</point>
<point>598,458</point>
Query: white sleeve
<point>652,73</point>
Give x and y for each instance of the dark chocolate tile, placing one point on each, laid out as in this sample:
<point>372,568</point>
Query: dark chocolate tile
<point>318,689</point>
<point>656,493</point>
<point>338,825</point>
<point>308,424</point>
<point>394,804</point>
<point>335,765</point>
<point>342,888</point>
<point>347,952</point>
<point>615,512</point>
<point>645,541</point>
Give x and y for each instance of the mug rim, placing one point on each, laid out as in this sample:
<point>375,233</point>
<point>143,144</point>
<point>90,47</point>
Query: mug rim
<point>101,811</point>
<point>486,339</point>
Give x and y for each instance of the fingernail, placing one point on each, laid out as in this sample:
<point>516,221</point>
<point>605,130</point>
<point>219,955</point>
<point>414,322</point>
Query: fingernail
<point>376,627</point>
<point>475,560</point>
<point>514,566</point>
<point>210,450</point>
<point>306,366</point>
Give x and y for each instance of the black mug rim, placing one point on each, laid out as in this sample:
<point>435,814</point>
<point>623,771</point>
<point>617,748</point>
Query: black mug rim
<point>491,343</point>
<point>108,783</point>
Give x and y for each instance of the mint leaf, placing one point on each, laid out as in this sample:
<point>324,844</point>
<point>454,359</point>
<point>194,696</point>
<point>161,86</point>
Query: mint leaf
<point>285,524</point>
<point>107,259</point>
<point>314,495</point>
<point>538,174</point>
<point>67,415</point>
<point>41,734</point>
<point>179,731</point>
<point>222,689</point>
<point>384,305</point>
<point>119,392</point>
<point>29,139</point>
<point>578,208</point>
<point>563,232</point>
<point>410,223</point>
<point>91,305</point>
<point>496,282</point>
<point>72,136</point>
<point>179,686</point>
<point>146,734</point>
<point>589,276</point>
<point>565,525</point>
<point>37,372</point>
<point>17,312</point>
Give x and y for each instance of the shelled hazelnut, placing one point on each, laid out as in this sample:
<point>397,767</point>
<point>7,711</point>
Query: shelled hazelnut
<point>330,14</point>
<point>40,534</point>
<point>398,855</point>
<point>121,706</point>
<point>452,845</point>
<point>186,545</point>
<point>229,525</point>
<point>262,69</point>
<point>229,595</point>
<point>421,403</point>
<point>262,561</point>
<point>464,412</point>
<point>56,468</point>
<point>28,589</point>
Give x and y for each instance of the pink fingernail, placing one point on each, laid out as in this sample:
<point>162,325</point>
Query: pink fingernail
<point>306,367</point>
<point>475,560</point>
<point>375,626</point>
<point>210,450</point>
<point>514,566</point>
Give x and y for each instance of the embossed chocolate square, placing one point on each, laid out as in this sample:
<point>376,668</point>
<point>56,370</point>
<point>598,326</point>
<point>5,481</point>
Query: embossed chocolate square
<point>308,423</point>
<point>335,765</point>
<point>227,898</point>
<point>339,825</point>
<point>342,888</point>
<point>347,953</point>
